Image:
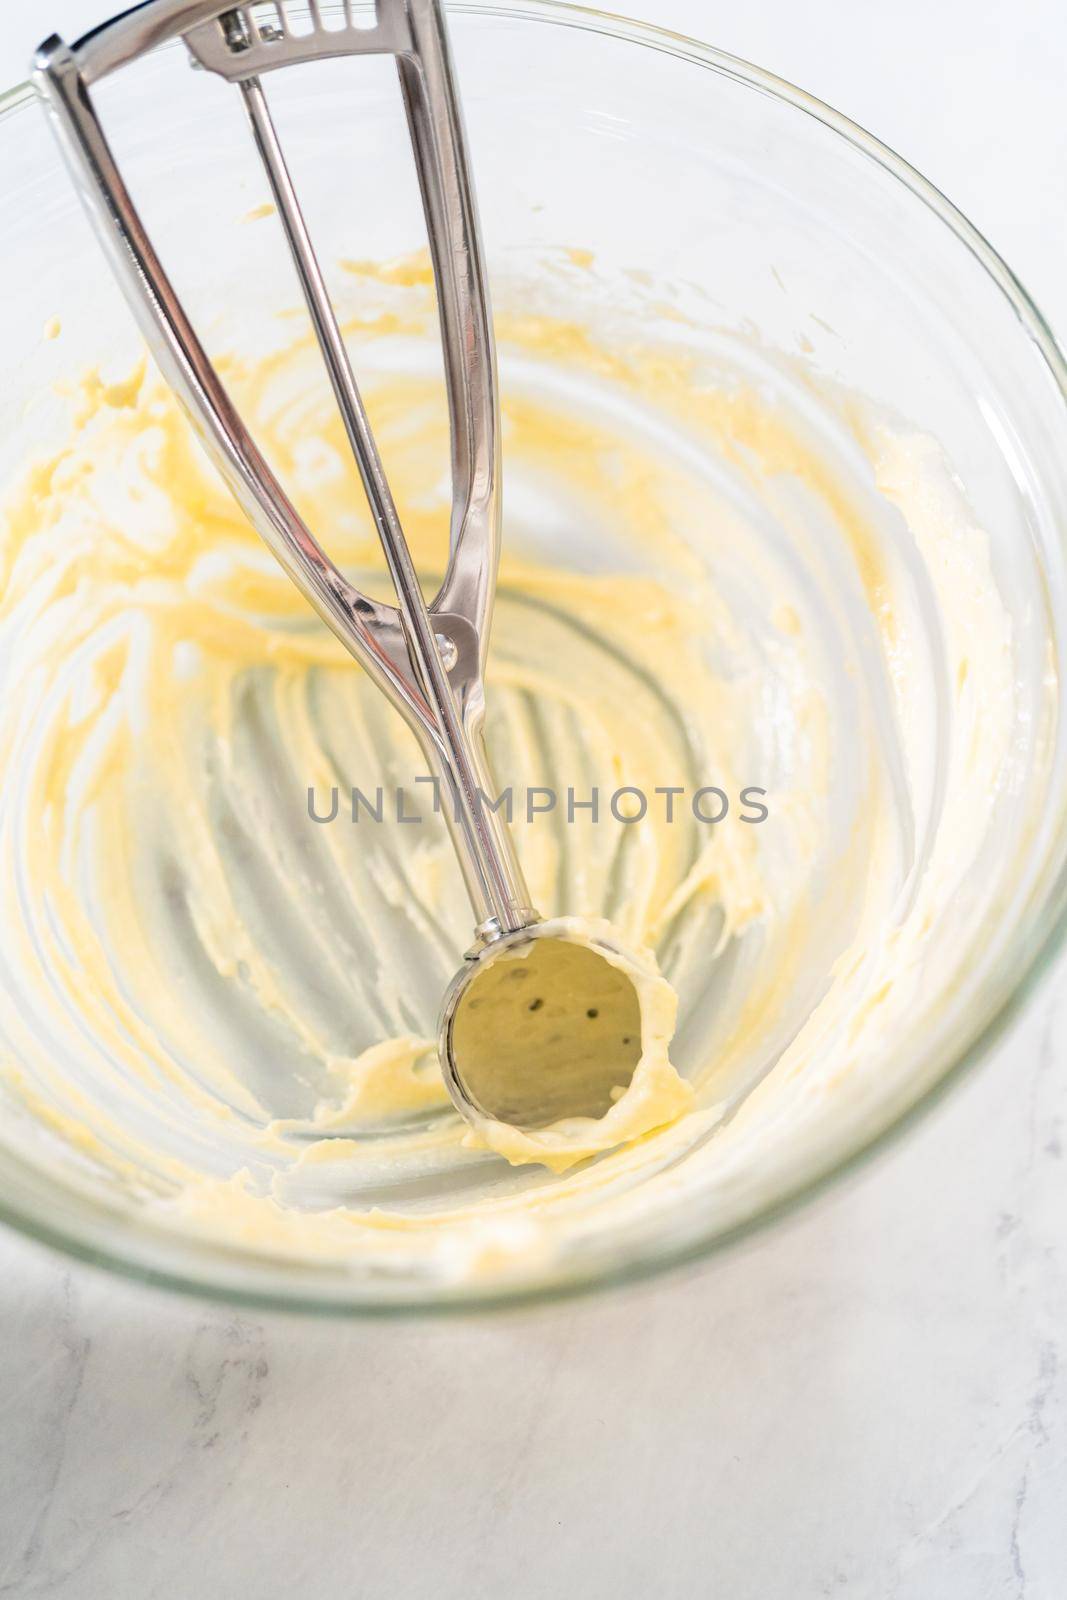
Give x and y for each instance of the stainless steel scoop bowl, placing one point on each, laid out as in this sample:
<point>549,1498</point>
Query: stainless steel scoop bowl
<point>540,1027</point>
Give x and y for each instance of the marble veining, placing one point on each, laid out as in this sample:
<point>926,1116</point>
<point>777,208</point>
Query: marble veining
<point>870,1401</point>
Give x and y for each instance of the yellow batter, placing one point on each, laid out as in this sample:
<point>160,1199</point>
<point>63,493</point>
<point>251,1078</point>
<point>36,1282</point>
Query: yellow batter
<point>219,1011</point>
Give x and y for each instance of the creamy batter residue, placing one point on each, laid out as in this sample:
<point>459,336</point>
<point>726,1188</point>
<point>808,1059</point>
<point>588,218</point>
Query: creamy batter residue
<point>220,1013</point>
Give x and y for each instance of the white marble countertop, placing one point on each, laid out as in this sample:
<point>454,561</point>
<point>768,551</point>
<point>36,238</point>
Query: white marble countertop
<point>869,1401</point>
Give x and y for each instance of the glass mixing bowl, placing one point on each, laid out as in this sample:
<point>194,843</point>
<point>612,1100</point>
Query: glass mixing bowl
<point>623,173</point>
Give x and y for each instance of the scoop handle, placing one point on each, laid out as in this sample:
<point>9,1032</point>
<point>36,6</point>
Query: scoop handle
<point>428,660</point>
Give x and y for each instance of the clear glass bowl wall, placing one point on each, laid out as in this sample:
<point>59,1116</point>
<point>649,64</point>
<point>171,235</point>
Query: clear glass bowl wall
<point>747,208</point>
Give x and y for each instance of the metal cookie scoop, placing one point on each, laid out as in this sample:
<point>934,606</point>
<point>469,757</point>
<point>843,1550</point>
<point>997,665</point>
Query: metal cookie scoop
<point>535,1026</point>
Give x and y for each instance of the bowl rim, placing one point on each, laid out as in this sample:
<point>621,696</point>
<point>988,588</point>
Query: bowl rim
<point>1046,932</point>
